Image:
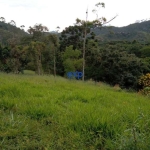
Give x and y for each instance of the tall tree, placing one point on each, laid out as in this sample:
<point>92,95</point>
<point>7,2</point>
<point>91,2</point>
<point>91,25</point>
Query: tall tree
<point>37,31</point>
<point>95,23</point>
<point>37,48</point>
<point>52,45</point>
<point>79,34</point>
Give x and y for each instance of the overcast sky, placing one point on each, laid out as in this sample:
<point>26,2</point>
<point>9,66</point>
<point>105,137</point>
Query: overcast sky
<point>53,13</point>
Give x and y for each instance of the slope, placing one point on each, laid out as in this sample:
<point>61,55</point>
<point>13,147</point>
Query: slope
<point>40,112</point>
<point>136,31</point>
<point>8,31</point>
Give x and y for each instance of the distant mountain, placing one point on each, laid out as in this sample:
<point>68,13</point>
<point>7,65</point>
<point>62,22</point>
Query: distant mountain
<point>53,32</point>
<point>8,32</point>
<point>136,31</point>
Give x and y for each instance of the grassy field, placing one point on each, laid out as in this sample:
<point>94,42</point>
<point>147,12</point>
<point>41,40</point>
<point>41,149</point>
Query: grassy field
<point>43,113</point>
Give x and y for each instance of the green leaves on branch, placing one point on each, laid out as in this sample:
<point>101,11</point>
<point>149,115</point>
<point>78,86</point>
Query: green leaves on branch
<point>72,60</point>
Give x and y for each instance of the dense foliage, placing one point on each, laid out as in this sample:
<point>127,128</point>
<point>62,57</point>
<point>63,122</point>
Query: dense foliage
<point>113,62</point>
<point>49,112</point>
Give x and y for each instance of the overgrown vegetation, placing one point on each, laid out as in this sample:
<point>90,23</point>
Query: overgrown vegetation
<point>38,112</point>
<point>114,62</point>
<point>144,81</point>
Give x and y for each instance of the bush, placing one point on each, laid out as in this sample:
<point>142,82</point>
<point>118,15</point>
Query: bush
<point>144,81</point>
<point>115,67</point>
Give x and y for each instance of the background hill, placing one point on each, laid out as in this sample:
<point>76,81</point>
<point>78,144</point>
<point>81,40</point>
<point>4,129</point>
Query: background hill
<point>8,31</point>
<point>136,31</point>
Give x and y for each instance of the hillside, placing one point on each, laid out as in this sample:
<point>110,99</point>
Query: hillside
<point>8,32</point>
<point>136,31</point>
<point>43,112</point>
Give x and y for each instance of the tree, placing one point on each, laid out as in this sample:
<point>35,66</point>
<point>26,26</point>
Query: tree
<point>72,35</point>
<point>22,27</point>
<point>37,28</point>
<point>72,60</point>
<point>12,22</point>
<point>52,45</point>
<point>145,51</point>
<point>37,31</point>
<point>13,59</point>
<point>96,10</point>
<point>5,59</point>
<point>115,67</point>
<point>18,58</point>
<point>79,34</point>
<point>2,19</point>
<point>95,23</point>
<point>57,29</point>
<point>37,48</point>
<point>93,58</point>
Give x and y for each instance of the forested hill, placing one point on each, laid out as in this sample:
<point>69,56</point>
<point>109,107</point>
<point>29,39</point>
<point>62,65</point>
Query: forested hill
<point>8,31</point>
<point>136,31</point>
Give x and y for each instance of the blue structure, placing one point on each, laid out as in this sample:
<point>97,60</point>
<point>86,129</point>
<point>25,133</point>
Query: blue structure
<point>76,74</point>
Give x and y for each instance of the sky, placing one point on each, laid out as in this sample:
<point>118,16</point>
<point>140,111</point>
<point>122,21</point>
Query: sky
<point>63,13</point>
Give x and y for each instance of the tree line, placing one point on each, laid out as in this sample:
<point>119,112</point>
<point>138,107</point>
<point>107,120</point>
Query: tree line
<point>77,48</point>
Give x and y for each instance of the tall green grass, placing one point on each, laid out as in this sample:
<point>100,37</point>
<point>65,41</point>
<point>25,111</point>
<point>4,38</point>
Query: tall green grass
<point>43,112</point>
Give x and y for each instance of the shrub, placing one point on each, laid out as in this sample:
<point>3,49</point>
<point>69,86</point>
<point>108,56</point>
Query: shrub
<point>144,81</point>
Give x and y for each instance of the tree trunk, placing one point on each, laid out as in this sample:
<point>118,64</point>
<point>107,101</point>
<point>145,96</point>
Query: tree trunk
<point>83,72</point>
<point>54,63</point>
<point>39,65</point>
<point>84,41</point>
